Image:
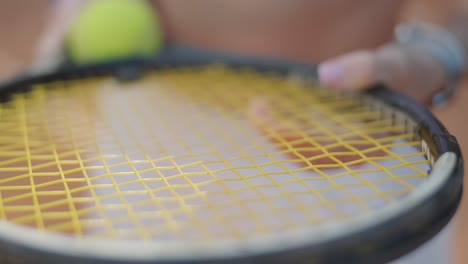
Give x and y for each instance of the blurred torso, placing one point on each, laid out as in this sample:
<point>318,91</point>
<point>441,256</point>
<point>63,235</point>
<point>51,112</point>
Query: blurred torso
<point>310,30</point>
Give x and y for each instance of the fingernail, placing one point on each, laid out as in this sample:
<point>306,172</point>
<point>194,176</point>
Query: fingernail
<point>331,73</point>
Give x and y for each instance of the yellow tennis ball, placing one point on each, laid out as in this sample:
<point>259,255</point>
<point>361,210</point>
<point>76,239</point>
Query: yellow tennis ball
<point>107,30</point>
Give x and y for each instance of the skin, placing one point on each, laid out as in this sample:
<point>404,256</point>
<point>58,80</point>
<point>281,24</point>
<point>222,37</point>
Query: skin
<point>351,41</point>
<point>300,29</point>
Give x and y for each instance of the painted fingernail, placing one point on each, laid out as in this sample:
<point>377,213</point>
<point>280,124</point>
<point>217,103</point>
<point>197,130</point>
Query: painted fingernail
<point>331,73</point>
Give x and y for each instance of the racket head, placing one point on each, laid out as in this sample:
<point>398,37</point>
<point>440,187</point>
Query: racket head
<point>377,237</point>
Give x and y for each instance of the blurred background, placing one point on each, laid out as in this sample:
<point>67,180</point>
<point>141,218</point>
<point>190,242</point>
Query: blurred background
<point>22,22</point>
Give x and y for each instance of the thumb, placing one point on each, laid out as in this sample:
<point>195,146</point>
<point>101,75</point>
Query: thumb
<point>351,71</point>
<point>414,72</point>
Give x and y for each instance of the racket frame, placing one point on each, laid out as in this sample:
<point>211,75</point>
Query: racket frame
<point>379,237</point>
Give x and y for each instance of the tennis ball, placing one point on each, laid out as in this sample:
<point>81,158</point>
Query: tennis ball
<point>106,30</point>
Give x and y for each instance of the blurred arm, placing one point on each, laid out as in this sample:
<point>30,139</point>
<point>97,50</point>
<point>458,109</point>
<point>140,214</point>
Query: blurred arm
<point>49,50</point>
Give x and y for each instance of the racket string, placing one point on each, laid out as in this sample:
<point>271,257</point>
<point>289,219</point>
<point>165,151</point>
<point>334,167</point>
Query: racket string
<point>178,155</point>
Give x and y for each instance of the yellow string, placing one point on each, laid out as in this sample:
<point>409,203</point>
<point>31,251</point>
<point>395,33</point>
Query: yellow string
<point>177,155</point>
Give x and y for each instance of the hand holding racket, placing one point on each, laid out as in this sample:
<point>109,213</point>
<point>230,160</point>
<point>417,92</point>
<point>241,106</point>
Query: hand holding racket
<point>426,63</point>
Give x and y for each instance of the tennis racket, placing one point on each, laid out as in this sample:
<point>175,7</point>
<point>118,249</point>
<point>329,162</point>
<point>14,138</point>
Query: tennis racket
<point>217,159</point>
